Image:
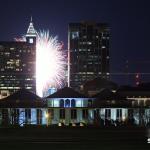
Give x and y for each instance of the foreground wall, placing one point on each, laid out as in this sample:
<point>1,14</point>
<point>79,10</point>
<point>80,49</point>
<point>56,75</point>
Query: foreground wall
<point>75,116</point>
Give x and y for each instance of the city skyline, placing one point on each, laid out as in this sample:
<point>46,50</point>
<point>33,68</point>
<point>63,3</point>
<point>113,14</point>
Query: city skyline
<point>74,74</point>
<point>129,22</point>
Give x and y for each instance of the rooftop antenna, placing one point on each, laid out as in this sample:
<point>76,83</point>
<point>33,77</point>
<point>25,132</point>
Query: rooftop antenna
<point>31,18</point>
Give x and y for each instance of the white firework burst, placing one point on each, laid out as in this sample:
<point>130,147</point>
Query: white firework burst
<point>50,63</point>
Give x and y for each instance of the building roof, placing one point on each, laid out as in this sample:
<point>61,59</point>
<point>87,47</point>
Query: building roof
<point>134,91</point>
<point>12,43</point>
<point>22,99</point>
<point>107,98</point>
<point>112,104</point>
<point>106,94</point>
<point>99,83</point>
<point>31,30</point>
<point>66,92</point>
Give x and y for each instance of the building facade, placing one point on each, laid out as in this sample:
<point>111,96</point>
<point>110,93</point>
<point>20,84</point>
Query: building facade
<point>17,64</point>
<point>66,107</point>
<point>70,107</point>
<point>88,51</point>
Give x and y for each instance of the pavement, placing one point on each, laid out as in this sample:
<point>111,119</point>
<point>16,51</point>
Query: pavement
<point>74,138</point>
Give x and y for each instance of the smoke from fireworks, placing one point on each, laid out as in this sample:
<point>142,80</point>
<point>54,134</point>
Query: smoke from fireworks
<point>50,63</point>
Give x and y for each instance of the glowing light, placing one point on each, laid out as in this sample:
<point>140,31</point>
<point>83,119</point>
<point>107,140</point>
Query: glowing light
<point>50,63</point>
<point>46,115</point>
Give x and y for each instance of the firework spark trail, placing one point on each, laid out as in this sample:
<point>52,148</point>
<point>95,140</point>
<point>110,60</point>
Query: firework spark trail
<point>50,62</point>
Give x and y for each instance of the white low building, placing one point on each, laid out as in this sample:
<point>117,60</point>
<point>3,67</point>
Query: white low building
<point>67,106</point>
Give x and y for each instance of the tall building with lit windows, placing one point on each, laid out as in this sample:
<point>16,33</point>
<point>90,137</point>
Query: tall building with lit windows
<point>17,64</point>
<point>88,51</point>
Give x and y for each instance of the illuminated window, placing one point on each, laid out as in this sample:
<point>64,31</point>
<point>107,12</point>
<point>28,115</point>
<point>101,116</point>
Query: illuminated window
<point>73,103</point>
<point>61,104</point>
<point>28,87</point>
<point>31,40</point>
<point>89,43</point>
<point>89,103</point>
<point>75,35</point>
<point>103,47</point>
<point>67,103</point>
<point>28,79</point>
<point>33,116</point>
<point>56,103</point>
<point>7,53</point>
<point>78,103</point>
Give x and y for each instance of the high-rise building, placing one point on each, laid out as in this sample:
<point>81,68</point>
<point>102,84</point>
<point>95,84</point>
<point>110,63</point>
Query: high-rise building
<point>17,64</point>
<point>88,52</point>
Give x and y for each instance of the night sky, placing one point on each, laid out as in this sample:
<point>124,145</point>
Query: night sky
<point>129,22</point>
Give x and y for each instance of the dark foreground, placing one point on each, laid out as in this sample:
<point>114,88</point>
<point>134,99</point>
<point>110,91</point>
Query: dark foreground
<point>73,138</point>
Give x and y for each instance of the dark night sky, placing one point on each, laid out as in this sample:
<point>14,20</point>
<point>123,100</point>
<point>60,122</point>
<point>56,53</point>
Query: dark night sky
<point>129,21</point>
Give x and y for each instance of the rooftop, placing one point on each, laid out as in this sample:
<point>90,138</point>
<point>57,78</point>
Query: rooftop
<point>66,92</point>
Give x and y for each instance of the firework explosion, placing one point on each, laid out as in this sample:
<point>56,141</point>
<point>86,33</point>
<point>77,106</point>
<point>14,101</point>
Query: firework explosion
<point>50,63</point>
